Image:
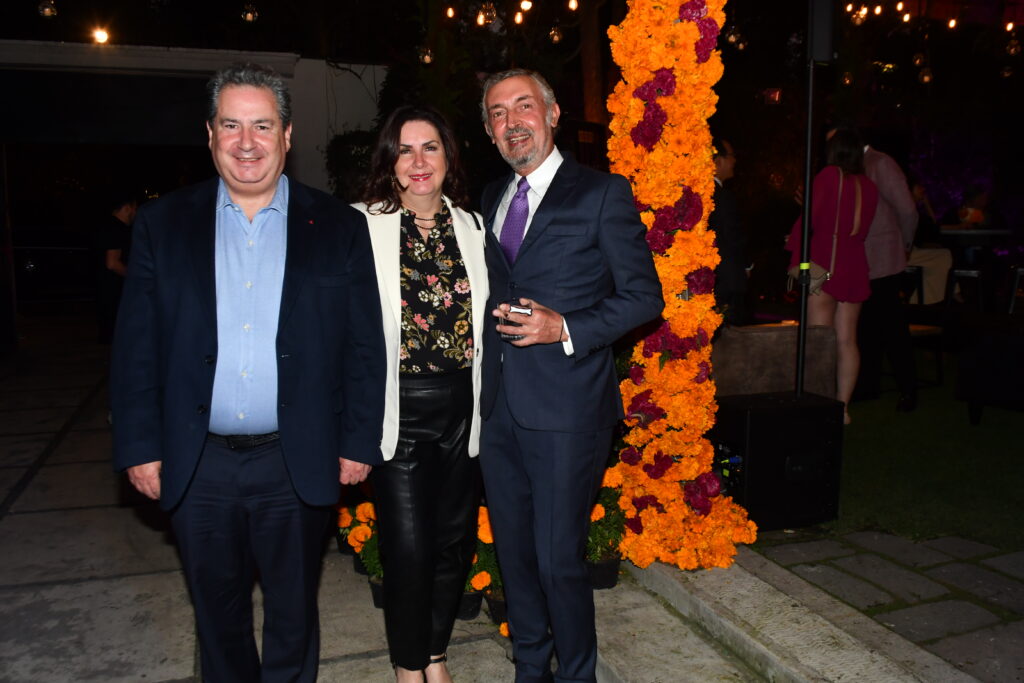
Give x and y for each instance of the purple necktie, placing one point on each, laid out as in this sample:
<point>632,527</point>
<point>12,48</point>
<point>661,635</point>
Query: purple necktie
<point>515,221</point>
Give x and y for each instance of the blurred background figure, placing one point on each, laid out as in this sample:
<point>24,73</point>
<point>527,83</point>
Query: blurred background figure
<point>732,271</point>
<point>112,237</point>
<point>928,253</point>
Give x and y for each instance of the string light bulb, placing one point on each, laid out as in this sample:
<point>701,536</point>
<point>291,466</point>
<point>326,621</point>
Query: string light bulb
<point>100,36</point>
<point>849,8</point>
<point>574,5</point>
<point>863,10</point>
<point>925,76</point>
<point>450,13</point>
<point>952,23</point>
<point>555,35</point>
<point>47,8</point>
<point>518,18</point>
<point>906,18</point>
<point>526,5</point>
<point>899,6</point>
<point>249,13</point>
<point>1013,47</point>
<point>426,55</point>
<point>1009,26</point>
<point>878,9</point>
<point>918,59</point>
<point>480,19</point>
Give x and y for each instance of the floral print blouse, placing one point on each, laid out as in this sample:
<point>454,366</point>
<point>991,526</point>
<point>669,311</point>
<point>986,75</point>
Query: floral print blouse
<point>437,306</point>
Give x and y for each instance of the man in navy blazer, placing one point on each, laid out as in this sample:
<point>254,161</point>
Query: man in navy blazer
<point>568,245</point>
<point>248,379</point>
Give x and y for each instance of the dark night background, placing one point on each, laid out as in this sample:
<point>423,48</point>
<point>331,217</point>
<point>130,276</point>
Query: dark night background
<point>961,128</point>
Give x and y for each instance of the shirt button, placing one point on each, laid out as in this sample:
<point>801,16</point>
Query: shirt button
<point>247,327</point>
<point>251,243</point>
<point>248,285</point>
<point>241,416</point>
<point>244,373</point>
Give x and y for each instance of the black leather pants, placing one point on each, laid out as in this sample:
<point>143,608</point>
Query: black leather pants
<point>426,500</point>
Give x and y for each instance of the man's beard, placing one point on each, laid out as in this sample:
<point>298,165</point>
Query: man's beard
<point>521,159</point>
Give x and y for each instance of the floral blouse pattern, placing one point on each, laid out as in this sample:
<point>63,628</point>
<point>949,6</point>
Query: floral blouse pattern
<point>436,303</point>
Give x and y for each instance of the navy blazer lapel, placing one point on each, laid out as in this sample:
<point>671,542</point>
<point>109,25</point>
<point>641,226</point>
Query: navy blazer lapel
<point>301,234</point>
<point>561,187</point>
<point>202,241</point>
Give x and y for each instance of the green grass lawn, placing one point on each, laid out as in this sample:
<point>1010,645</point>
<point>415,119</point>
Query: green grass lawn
<point>930,473</point>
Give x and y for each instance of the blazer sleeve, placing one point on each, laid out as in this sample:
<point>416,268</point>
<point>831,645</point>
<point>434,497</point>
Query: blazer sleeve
<point>365,370</point>
<point>135,374</point>
<point>637,296</point>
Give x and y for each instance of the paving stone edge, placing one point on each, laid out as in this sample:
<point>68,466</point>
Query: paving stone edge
<point>777,661</point>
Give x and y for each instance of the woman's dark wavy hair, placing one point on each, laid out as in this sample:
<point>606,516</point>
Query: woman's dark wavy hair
<point>845,149</point>
<point>381,186</point>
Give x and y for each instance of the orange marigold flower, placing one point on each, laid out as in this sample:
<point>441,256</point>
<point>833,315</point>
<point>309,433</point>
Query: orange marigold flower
<point>481,581</point>
<point>365,512</point>
<point>597,513</point>
<point>483,522</point>
<point>358,536</point>
<point>344,518</point>
<point>503,629</point>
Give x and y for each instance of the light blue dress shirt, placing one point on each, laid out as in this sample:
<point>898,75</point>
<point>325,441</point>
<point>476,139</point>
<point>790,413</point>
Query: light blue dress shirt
<point>250,274</point>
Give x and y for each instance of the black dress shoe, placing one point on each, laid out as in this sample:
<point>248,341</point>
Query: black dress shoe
<point>906,403</point>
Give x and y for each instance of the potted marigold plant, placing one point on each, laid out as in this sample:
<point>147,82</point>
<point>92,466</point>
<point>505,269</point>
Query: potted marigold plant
<point>607,525</point>
<point>345,520</point>
<point>363,537</point>
<point>485,575</point>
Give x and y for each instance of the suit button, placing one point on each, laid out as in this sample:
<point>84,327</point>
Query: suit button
<point>201,410</point>
<point>284,405</point>
<point>286,355</point>
<point>512,285</point>
<point>208,360</point>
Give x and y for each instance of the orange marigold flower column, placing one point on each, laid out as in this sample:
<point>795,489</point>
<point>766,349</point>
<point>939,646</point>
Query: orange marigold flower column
<point>660,141</point>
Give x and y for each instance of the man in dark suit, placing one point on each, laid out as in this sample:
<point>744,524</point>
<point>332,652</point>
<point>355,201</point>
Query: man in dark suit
<point>248,378</point>
<point>565,242</point>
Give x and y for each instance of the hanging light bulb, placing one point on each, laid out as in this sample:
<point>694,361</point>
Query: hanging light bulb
<point>47,8</point>
<point>952,23</point>
<point>100,36</point>
<point>847,78</point>
<point>1009,24</point>
<point>426,55</point>
<point>526,5</point>
<point>878,9</point>
<point>518,18</point>
<point>1013,47</point>
<point>918,59</point>
<point>450,13</point>
<point>906,18</point>
<point>574,5</point>
<point>555,35</point>
<point>899,6</point>
<point>732,35</point>
<point>863,10</point>
<point>481,20</point>
<point>249,13</point>
<point>849,8</point>
<point>857,19</point>
<point>925,76</point>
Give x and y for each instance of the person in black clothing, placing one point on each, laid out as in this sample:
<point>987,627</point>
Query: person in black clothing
<point>731,274</point>
<point>113,241</point>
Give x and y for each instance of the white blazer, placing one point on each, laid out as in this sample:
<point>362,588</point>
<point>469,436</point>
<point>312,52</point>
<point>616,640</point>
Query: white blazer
<point>385,236</point>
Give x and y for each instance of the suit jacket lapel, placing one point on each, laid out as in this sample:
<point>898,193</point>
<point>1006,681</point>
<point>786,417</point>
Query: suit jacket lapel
<point>203,243</point>
<point>561,186</point>
<point>300,241</point>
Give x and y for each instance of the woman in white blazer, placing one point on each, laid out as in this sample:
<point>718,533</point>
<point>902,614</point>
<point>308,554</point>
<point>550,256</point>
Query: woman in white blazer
<point>429,254</point>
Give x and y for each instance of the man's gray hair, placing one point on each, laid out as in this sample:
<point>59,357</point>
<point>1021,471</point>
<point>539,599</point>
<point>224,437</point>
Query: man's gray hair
<point>494,79</point>
<point>257,76</point>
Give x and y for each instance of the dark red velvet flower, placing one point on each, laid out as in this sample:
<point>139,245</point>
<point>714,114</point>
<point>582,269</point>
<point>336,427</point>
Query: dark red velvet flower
<point>635,525</point>
<point>694,496</point>
<point>709,484</point>
<point>703,373</point>
<point>708,39</point>
<point>644,502</point>
<point>645,410</point>
<point>663,83</point>
<point>636,374</point>
<point>659,241</point>
<point>701,281</point>
<point>630,456</point>
<point>648,131</point>
<point>692,10</point>
<point>660,466</point>
<point>682,215</point>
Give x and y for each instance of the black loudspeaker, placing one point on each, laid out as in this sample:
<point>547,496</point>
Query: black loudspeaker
<point>779,457</point>
<point>822,26</point>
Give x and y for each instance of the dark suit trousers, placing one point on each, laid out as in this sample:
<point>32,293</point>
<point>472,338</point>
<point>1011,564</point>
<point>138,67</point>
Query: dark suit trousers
<point>540,488</point>
<point>883,330</point>
<point>240,516</point>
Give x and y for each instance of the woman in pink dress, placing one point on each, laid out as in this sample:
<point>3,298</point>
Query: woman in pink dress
<point>843,203</point>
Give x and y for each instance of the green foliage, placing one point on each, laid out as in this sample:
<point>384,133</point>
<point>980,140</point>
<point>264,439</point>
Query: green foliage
<point>606,533</point>
<point>370,556</point>
<point>348,161</point>
<point>486,561</point>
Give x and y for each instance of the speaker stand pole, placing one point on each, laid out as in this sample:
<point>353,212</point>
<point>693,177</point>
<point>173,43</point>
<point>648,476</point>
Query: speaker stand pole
<point>805,247</point>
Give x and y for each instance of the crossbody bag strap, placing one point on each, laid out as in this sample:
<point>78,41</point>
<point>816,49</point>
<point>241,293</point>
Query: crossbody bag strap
<point>835,232</point>
<point>856,210</point>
